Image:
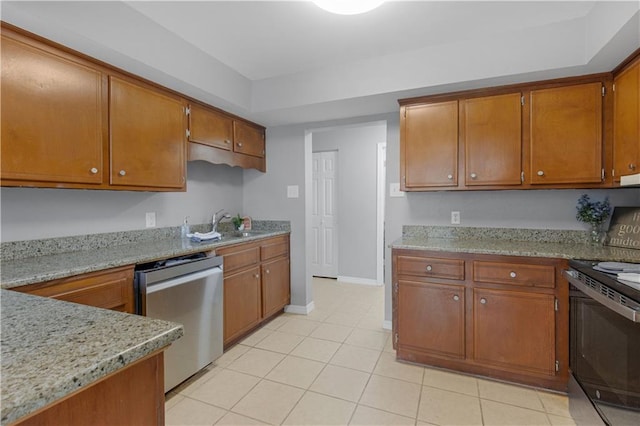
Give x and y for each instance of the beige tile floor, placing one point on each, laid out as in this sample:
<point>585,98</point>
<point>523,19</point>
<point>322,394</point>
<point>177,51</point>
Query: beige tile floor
<point>336,366</point>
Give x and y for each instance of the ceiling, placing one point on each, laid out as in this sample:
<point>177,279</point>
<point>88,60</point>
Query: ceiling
<point>287,62</point>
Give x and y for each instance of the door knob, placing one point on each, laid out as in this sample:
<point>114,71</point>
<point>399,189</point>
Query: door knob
<point>512,274</point>
<point>94,170</point>
<point>456,297</point>
<point>483,301</point>
<point>122,173</point>
<point>540,173</point>
<point>474,176</point>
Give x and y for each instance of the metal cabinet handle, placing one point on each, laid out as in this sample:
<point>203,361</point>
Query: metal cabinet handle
<point>512,274</point>
<point>256,276</point>
<point>227,141</point>
<point>474,176</point>
<point>456,297</point>
<point>540,173</point>
<point>94,170</point>
<point>632,166</point>
<point>267,271</point>
<point>450,177</point>
<point>122,173</point>
<point>239,144</point>
<point>483,301</point>
<point>429,268</point>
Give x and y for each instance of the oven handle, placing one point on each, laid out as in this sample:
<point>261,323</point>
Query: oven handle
<point>626,312</point>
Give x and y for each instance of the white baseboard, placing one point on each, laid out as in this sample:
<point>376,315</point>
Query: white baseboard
<point>300,309</point>
<point>356,280</point>
<point>387,325</point>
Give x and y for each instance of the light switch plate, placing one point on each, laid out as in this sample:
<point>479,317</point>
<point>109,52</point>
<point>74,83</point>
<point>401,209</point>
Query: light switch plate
<point>293,191</point>
<point>394,190</point>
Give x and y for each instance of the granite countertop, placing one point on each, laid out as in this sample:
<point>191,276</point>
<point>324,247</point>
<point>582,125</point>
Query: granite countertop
<point>52,348</point>
<point>511,242</point>
<point>29,270</point>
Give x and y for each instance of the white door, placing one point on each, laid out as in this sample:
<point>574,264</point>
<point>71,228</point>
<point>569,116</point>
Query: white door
<point>324,219</point>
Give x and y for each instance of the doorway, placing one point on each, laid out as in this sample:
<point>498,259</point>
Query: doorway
<point>324,214</point>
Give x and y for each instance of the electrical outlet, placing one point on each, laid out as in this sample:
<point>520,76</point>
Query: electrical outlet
<point>151,219</point>
<point>455,218</point>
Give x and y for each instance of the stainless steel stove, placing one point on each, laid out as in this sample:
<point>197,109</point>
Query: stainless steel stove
<point>605,340</point>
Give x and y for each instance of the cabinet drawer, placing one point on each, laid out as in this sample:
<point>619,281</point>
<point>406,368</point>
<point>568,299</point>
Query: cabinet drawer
<point>514,273</point>
<point>240,258</point>
<point>111,289</point>
<point>452,269</point>
<point>274,247</point>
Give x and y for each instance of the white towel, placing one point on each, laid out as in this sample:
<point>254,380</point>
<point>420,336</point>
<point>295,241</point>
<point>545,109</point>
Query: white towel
<point>198,236</point>
<point>627,276</point>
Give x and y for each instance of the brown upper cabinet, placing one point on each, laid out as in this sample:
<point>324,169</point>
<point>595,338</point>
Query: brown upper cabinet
<point>543,134</point>
<point>626,120</point>
<point>209,127</point>
<point>492,129</point>
<point>223,139</point>
<point>53,115</point>
<point>429,146</point>
<point>566,135</point>
<point>70,121</point>
<point>148,136</point>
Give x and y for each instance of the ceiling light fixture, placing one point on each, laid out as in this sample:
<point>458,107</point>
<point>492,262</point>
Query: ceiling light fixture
<point>348,7</point>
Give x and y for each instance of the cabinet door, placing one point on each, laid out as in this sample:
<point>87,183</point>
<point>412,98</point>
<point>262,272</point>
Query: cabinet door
<point>148,131</point>
<point>626,122</point>
<point>275,286</point>
<point>242,303</point>
<point>111,289</point>
<point>514,330</point>
<point>566,134</point>
<point>248,139</point>
<point>53,116</point>
<point>431,318</point>
<point>429,145</point>
<point>493,140</point>
<point>209,127</point>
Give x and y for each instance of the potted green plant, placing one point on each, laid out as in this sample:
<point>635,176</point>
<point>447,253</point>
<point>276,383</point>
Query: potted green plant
<point>238,222</point>
<point>593,213</point>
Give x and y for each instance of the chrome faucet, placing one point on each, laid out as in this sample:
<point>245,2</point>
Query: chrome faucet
<point>217,219</point>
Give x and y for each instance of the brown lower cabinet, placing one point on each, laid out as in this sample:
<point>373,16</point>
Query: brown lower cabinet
<point>503,317</point>
<point>256,284</point>
<point>109,289</point>
<point>131,396</point>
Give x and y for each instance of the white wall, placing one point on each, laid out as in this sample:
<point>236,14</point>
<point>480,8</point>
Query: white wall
<point>34,213</point>
<point>265,197</point>
<point>357,196</point>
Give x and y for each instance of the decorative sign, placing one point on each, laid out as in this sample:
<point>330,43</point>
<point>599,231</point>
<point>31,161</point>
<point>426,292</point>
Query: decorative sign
<point>624,229</point>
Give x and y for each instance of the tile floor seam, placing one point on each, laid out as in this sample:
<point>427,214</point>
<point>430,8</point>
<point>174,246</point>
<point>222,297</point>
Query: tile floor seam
<point>514,405</point>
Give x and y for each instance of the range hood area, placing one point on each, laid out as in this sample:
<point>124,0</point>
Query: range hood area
<point>630,180</point>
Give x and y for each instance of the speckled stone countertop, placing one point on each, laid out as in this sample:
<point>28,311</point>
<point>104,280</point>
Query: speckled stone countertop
<point>52,348</point>
<point>511,242</point>
<point>95,255</point>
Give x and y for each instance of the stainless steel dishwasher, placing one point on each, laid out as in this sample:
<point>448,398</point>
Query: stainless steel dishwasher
<point>187,290</point>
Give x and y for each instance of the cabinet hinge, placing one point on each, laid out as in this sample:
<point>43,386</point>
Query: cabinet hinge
<point>603,175</point>
<point>404,179</point>
<point>188,132</point>
<point>395,288</point>
<point>522,176</point>
<point>613,87</point>
<point>522,100</point>
<point>555,305</point>
<point>404,113</point>
<point>613,172</point>
<point>604,91</point>
<point>396,338</point>
<point>187,111</point>
<point>557,365</point>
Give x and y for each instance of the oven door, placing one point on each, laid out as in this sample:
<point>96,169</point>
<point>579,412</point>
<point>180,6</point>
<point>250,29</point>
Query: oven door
<point>605,358</point>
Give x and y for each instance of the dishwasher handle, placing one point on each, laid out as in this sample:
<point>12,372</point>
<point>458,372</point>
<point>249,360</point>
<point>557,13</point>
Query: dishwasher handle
<point>181,280</point>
